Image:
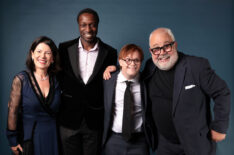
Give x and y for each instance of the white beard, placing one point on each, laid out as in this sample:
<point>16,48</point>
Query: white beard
<point>168,65</point>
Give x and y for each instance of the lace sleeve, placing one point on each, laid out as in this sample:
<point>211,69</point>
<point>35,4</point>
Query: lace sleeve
<point>13,109</point>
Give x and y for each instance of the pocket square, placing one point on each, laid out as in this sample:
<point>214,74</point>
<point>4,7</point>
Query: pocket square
<point>189,86</point>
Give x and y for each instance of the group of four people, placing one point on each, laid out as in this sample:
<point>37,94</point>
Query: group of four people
<point>166,107</point>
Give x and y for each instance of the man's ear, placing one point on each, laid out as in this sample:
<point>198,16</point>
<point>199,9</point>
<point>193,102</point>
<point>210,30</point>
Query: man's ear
<point>150,52</point>
<point>176,45</point>
<point>120,62</point>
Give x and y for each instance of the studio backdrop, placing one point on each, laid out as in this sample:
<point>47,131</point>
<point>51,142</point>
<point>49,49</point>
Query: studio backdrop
<point>201,27</point>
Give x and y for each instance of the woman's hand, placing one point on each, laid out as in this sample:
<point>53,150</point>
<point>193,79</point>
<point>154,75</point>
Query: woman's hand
<point>16,149</point>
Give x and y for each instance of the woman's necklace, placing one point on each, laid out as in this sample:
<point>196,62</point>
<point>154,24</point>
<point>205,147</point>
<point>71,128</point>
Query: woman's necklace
<point>41,78</point>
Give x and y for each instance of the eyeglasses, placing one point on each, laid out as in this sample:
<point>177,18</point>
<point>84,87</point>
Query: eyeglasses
<point>166,48</point>
<point>129,61</point>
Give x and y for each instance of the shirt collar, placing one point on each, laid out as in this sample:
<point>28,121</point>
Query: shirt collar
<point>121,78</point>
<point>95,48</point>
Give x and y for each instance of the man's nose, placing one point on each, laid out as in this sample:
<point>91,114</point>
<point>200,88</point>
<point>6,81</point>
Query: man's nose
<point>88,28</point>
<point>162,51</point>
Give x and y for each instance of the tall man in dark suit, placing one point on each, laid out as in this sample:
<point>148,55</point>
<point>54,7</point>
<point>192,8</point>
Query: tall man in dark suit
<point>179,91</point>
<point>83,62</point>
<point>126,131</point>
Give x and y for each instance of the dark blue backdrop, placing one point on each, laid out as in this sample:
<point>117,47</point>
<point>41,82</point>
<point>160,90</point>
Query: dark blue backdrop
<point>201,27</point>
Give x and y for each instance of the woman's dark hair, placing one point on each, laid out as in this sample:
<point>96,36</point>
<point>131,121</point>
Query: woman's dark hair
<point>54,67</point>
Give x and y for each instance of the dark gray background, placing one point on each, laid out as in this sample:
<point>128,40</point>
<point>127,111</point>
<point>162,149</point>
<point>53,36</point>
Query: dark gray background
<point>201,27</point>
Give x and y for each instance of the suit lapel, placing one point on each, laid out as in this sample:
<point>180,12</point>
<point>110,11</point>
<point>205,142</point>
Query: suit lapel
<point>142,89</point>
<point>147,73</point>
<point>111,90</point>
<point>73,55</point>
<point>178,81</point>
<point>100,59</point>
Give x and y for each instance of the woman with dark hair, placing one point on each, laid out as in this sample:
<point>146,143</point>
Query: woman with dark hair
<point>35,93</point>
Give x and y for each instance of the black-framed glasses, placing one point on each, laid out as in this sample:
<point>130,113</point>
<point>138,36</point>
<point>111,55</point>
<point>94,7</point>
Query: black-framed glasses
<point>166,48</point>
<point>129,61</point>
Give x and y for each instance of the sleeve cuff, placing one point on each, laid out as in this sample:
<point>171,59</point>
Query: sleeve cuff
<point>219,126</point>
<point>12,137</point>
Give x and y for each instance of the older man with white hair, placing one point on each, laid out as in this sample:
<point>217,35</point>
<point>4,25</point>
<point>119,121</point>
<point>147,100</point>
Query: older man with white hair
<point>179,91</point>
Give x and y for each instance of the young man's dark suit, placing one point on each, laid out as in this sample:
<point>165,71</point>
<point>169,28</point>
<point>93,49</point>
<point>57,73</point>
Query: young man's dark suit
<point>191,104</point>
<point>83,102</point>
<point>109,98</point>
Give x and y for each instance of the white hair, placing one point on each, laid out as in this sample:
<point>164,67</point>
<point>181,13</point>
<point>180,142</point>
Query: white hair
<point>167,30</point>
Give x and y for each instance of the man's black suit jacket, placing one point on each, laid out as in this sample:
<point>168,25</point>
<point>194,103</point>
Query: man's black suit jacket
<point>82,101</point>
<point>195,83</point>
<point>109,103</point>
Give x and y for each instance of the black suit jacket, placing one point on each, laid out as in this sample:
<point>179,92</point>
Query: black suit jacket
<point>81,100</point>
<point>109,103</point>
<point>195,83</point>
